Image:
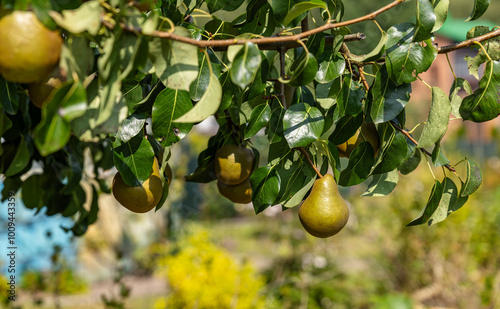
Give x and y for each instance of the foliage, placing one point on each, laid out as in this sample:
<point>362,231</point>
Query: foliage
<point>137,82</point>
<point>202,275</point>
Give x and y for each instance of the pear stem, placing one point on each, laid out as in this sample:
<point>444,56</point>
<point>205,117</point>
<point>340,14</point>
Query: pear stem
<point>304,152</point>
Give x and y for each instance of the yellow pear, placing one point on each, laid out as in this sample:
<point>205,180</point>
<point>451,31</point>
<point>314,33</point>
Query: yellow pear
<point>368,132</point>
<point>324,212</point>
<point>139,199</point>
<point>241,193</point>
<point>233,164</point>
<point>29,51</point>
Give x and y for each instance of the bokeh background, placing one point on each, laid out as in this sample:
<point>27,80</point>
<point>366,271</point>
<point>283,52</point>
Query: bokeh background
<point>203,251</point>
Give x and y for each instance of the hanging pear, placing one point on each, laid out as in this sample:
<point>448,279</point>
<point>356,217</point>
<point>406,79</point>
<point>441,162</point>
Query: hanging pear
<point>324,212</point>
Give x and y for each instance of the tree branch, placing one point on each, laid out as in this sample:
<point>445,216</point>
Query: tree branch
<point>259,41</point>
<point>469,42</point>
<point>304,152</point>
<point>405,133</point>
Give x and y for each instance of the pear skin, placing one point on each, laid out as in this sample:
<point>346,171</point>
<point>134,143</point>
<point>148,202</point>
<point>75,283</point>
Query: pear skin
<point>368,133</point>
<point>324,212</point>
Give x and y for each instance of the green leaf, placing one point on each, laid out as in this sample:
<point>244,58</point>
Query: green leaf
<point>430,207</point>
<point>302,71</point>
<point>406,59</point>
<point>53,132</point>
<point>5,123</point>
<point>200,84</point>
<point>134,159</point>
<point>131,127</point>
<point>296,179</point>
<point>483,105</point>
<point>330,67</point>
<point>438,158</point>
<point>32,191</point>
<point>350,99</point>
<point>207,106</point>
<point>9,98</point>
<point>265,187</point>
<point>491,46</point>
<point>182,58</point>
<point>382,184</point>
<point>77,57</point>
<point>437,121</point>
<point>412,161</point>
<point>245,65</point>
<point>386,99</point>
<point>375,53</point>
<point>276,133</point>
<point>360,163</point>
<point>222,29</point>
<point>281,8</point>
<point>426,18</point>
<point>258,119</point>
<point>448,200</point>
<point>441,11</point>
<point>226,5</point>
<point>86,18</point>
<point>302,7</point>
<point>302,124</point>
<point>345,128</point>
<point>473,180</point>
<point>458,84</point>
<point>21,158</point>
<point>170,104</point>
<point>393,152</point>
<point>480,6</point>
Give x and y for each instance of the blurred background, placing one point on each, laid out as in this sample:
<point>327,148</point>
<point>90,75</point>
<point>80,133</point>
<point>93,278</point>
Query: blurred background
<point>203,251</point>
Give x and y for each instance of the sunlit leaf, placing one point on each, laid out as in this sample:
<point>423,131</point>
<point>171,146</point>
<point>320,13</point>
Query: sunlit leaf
<point>302,124</point>
<point>474,178</point>
<point>426,18</point>
<point>245,65</point>
<point>360,163</point>
<point>480,6</point>
<point>437,121</point>
<point>265,187</point>
<point>382,184</point>
<point>302,7</point>
<point>259,119</point>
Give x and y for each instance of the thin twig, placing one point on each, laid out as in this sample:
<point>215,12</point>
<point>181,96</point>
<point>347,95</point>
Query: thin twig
<point>258,41</point>
<point>363,78</point>
<point>469,42</point>
<point>405,133</point>
<point>304,152</point>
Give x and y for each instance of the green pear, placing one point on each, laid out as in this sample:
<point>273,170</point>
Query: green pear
<point>324,212</point>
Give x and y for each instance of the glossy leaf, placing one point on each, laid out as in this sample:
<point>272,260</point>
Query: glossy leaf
<point>473,180</point>
<point>411,162</point>
<point>200,84</point>
<point>265,187</point>
<point>302,71</point>
<point>382,184</point>
<point>426,18</point>
<point>376,53</point>
<point>360,163</point>
<point>258,119</point>
<point>437,121</point>
<point>301,8</point>
<point>170,104</point>
<point>405,58</point>
<point>245,65</point>
<point>134,159</point>
<point>302,125</point>
<point>330,67</point>
<point>281,8</point>
<point>207,106</point>
<point>276,133</point>
<point>394,153</point>
<point>182,63</point>
<point>350,99</point>
<point>480,6</point>
<point>386,98</point>
<point>131,127</point>
<point>345,128</point>
<point>438,158</point>
<point>483,105</point>
<point>491,46</point>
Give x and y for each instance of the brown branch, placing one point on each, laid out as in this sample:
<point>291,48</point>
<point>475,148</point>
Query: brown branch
<point>259,41</point>
<point>363,78</point>
<point>407,134</point>
<point>469,42</point>
<point>304,152</point>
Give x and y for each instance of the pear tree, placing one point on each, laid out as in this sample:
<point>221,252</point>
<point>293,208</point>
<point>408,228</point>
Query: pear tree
<point>137,76</point>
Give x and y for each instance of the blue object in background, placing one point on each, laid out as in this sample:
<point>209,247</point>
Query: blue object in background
<point>36,236</point>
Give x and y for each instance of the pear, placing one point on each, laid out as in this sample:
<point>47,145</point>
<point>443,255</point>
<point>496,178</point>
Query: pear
<point>324,212</point>
<point>368,132</point>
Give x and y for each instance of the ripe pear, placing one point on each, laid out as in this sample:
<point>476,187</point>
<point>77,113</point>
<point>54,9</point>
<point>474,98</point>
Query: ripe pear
<point>139,199</point>
<point>324,212</point>
<point>241,193</point>
<point>233,164</point>
<point>367,132</point>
